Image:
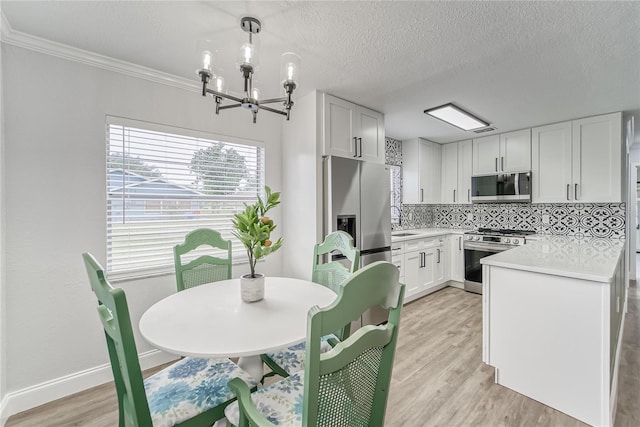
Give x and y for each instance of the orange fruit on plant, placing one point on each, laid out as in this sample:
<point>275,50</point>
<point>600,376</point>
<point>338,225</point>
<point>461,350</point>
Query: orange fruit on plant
<point>265,219</point>
<point>267,243</point>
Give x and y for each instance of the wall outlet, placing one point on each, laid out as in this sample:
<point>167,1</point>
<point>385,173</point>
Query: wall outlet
<point>469,216</point>
<point>545,219</point>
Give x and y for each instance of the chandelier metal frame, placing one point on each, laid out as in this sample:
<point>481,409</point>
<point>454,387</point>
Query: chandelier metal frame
<point>250,25</point>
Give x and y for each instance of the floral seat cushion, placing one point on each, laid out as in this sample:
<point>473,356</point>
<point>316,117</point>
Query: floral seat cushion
<point>291,359</point>
<point>190,387</point>
<point>280,403</point>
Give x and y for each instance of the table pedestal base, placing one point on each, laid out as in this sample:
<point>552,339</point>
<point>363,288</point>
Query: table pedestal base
<point>252,365</point>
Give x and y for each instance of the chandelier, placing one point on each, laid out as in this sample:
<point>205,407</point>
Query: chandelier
<point>248,63</point>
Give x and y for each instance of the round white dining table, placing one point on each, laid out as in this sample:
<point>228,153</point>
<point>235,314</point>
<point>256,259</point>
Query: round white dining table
<point>211,320</point>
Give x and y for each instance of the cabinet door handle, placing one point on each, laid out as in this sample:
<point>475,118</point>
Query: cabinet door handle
<point>468,194</point>
<point>355,146</point>
<point>360,141</point>
<point>502,163</point>
<point>454,196</point>
<point>438,255</point>
<point>460,243</point>
<point>575,191</point>
<point>421,195</point>
<point>496,164</point>
<point>568,189</point>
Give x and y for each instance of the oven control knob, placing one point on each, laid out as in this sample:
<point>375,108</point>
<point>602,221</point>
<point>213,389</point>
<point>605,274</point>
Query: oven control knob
<point>507,240</point>
<point>516,241</point>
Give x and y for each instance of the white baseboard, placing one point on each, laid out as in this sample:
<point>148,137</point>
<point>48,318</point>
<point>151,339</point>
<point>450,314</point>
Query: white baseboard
<point>455,284</point>
<point>613,399</point>
<point>3,413</point>
<point>425,292</point>
<point>39,394</point>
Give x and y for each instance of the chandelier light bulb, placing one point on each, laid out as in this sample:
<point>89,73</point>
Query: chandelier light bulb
<point>207,59</point>
<point>248,55</point>
<point>289,68</point>
<point>290,71</point>
<point>255,93</point>
<point>218,84</point>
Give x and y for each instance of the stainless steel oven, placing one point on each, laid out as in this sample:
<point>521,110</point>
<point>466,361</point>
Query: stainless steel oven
<point>482,243</point>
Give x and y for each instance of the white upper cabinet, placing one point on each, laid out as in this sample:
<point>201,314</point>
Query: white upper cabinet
<point>486,151</point>
<point>352,131</point>
<point>465,165</point>
<point>450,173</point>
<point>597,158</point>
<point>456,172</point>
<point>421,166</point>
<point>371,139</point>
<point>515,151</point>
<point>551,178</point>
<point>508,152</point>
<point>578,161</point>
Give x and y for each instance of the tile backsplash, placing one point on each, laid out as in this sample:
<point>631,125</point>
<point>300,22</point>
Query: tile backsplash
<point>570,219</point>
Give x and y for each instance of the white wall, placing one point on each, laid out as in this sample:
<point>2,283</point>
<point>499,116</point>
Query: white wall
<point>302,173</point>
<point>55,205</point>
<point>2,228</point>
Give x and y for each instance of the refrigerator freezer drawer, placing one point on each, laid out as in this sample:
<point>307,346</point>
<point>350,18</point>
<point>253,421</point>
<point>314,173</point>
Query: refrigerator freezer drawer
<point>376,315</point>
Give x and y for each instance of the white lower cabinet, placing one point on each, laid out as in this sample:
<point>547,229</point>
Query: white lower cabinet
<point>443,271</point>
<point>397,258</point>
<point>457,258</point>
<point>424,265</point>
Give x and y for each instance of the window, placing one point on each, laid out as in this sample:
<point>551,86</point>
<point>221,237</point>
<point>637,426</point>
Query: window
<point>163,183</point>
<point>396,195</point>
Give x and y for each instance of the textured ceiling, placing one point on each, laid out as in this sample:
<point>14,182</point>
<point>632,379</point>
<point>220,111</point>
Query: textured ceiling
<point>514,64</point>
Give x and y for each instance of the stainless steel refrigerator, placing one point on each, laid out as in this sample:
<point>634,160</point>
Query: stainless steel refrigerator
<point>357,200</point>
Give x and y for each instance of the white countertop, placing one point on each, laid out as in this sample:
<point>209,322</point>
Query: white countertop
<point>587,259</point>
<point>418,233</point>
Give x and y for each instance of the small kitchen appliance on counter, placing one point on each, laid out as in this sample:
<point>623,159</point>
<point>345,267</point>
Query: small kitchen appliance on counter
<point>484,242</point>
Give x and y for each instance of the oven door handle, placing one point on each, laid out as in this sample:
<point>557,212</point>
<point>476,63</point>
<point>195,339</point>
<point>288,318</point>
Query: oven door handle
<point>495,248</point>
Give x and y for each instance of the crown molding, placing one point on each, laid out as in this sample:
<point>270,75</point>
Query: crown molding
<point>16,38</point>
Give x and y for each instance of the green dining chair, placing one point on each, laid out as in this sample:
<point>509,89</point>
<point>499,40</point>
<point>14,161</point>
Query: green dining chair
<point>330,274</point>
<point>191,392</point>
<point>347,386</point>
<point>204,268</point>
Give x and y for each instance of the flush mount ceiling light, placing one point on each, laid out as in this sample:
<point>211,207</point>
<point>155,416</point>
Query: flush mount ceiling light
<point>456,116</point>
<point>248,63</point>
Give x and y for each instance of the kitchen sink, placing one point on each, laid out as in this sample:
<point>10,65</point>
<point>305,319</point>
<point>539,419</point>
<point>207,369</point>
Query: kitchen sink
<point>402,234</point>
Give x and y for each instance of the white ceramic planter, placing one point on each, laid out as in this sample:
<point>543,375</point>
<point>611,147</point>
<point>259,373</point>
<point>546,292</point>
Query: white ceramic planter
<point>252,288</point>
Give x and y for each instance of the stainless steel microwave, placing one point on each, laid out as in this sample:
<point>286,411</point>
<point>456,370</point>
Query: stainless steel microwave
<point>501,187</point>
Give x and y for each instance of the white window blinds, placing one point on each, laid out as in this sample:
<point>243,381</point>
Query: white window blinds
<point>161,185</point>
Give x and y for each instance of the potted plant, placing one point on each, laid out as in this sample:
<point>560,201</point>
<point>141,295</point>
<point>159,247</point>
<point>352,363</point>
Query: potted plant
<point>253,228</point>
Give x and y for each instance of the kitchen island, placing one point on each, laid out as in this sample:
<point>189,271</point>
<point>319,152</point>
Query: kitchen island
<point>553,312</point>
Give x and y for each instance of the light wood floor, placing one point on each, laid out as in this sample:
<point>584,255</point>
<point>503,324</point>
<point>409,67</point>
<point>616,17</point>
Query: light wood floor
<point>438,377</point>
